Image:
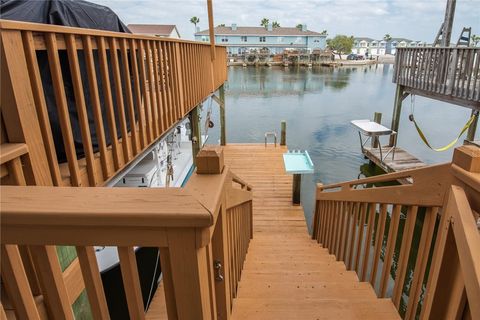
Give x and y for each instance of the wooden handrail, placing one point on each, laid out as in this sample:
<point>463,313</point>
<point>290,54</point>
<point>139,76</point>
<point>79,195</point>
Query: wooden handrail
<point>184,223</point>
<point>347,219</point>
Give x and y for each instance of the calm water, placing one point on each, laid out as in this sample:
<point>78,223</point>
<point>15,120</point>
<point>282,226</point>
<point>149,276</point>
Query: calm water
<point>318,105</point>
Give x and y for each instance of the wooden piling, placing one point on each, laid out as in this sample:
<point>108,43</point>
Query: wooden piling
<point>283,136</point>
<point>196,133</point>
<point>223,134</point>
<point>397,110</point>
<point>473,127</point>
<point>296,188</point>
<point>377,117</point>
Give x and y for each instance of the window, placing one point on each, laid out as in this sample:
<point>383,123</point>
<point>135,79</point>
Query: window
<point>243,38</point>
<point>316,40</point>
<point>205,39</point>
<point>224,39</point>
<point>262,39</point>
<point>298,40</point>
<point>280,39</point>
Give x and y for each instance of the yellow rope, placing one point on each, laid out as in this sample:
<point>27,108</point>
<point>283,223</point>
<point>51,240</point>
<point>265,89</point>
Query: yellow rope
<point>451,144</point>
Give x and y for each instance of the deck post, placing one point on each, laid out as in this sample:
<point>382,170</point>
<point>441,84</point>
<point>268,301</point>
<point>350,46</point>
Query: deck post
<point>283,134</point>
<point>196,133</point>
<point>296,188</point>
<point>377,117</point>
<point>397,111</point>
<point>223,135</point>
<point>473,127</point>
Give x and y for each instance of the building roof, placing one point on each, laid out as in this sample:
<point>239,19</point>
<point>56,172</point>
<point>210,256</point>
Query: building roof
<point>260,31</point>
<point>402,39</point>
<point>153,29</point>
<point>364,39</point>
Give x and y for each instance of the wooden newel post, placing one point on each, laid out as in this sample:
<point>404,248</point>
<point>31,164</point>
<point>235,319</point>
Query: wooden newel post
<point>223,134</point>
<point>377,117</point>
<point>210,160</point>
<point>283,136</point>
<point>296,188</point>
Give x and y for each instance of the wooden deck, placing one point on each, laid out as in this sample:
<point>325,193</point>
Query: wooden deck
<point>402,160</point>
<point>286,274</point>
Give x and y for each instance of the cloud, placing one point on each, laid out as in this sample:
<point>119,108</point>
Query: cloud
<point>414,19</point>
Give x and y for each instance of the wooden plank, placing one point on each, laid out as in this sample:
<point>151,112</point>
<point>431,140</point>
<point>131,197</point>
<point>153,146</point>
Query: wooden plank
<point>41,106</point>
<point>93,282</point>
<point>119,99</point>
<point>95,103</point>
<point>151,89</point>
<point>16,283</point>
<point>107,98</point>
<point>62,108</point>
<point>359,241</point>
<point>372,212</point>
<point>10,151</point>
<point>135,55</point>
<point>51,282</point>
<point>81,108</point>
<point>146,103</point>
<point>378,243</point>
<point>392,239</point>
<point>131,282</point>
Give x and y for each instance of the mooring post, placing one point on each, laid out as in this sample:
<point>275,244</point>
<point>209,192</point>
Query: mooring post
<point>397,110</point>
<point>377,117</point>
<point>223,134</point>
<point>283,135</point>
<point>296,188</point>
<point>473,127</point>
<point>196,133</point>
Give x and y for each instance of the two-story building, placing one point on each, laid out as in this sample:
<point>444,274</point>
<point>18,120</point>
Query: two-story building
<point>363,45</point>
<point>244,39</point>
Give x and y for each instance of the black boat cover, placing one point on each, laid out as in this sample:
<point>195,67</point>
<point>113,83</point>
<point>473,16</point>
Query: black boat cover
<point>73,13</point>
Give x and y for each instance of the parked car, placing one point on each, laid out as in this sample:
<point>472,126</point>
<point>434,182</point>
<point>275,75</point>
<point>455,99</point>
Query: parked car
<point>360,57</point>
<point>352,56</point>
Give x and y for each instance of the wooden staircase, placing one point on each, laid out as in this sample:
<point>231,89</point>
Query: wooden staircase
<point>287,275</point>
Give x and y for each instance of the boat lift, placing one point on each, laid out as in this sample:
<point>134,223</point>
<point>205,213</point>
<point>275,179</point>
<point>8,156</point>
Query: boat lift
<point>372,131</point>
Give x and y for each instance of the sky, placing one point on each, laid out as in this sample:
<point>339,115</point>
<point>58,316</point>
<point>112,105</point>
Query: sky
<point>412,19</point>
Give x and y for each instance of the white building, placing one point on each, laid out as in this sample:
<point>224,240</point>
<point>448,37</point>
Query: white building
<point>157,30</point>
<point>363,45</point>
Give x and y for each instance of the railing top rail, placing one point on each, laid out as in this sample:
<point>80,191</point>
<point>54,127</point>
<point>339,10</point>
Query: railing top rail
<point>40,27</point>
<point>413,173</point>
<point>98,207</point>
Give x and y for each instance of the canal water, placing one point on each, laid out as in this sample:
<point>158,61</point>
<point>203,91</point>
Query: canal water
<point>318,105</point>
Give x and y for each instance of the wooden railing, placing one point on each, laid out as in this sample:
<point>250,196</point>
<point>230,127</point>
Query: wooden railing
<point>387,233</point>
<point>86,102</point>
<point>202,230</point>
<point>447,72</point>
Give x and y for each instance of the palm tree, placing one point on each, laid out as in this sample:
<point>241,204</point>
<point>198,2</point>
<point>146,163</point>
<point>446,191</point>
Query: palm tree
<point>299,26</point>
<point>264,23</point>
<point>387,37</point>
<point>324,32</point>
<point>475,40</point>
<point>275,24</point>
<point>195,20</point>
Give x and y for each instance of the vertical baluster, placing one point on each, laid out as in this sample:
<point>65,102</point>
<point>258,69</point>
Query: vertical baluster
<point>81,107</point>
<point>131,283</point>
<point>378,242</point>
<point>167,87</point>
<point>62,108</point>
<point>323,223</point>
<point>146,103</point>
<point>168,283</point>
<point>119,98</point>
<point>158,91</point>
<point>93,282</point>
<point>333,235</point>
<point>404,254</point>
<point>421,262</point>
<point>107,98</point>
<point>163,86</point>
<point>391,240</point>
<point>353,231</point>
<point>16,283</point>
<point>361,227</point>
<point>329,223</point>
<point>341,231</point>
<point>348,222</point>
<point>51,281</point>
<point>153,93</point>
<point>173,86</point>
<point>41,107</point>
<point>95,102</point>
<point>135,55</point>
<point>129,95</point>
<point>368,239</point>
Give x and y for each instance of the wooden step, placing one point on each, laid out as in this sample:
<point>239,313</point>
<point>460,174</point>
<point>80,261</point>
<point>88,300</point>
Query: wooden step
<point>313,308</point>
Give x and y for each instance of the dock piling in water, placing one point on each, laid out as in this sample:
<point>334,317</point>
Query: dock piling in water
<point>283,134</point>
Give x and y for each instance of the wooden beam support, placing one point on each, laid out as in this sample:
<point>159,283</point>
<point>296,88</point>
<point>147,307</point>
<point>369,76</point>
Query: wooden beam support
<point>223,129</point>
<point>397,110</point>
<point>211,29</point>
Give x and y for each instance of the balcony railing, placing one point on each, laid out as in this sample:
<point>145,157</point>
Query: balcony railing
<point>202,231</point>
<point>418,244</point>
<point>449,73</point>
<point>86,102</point>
